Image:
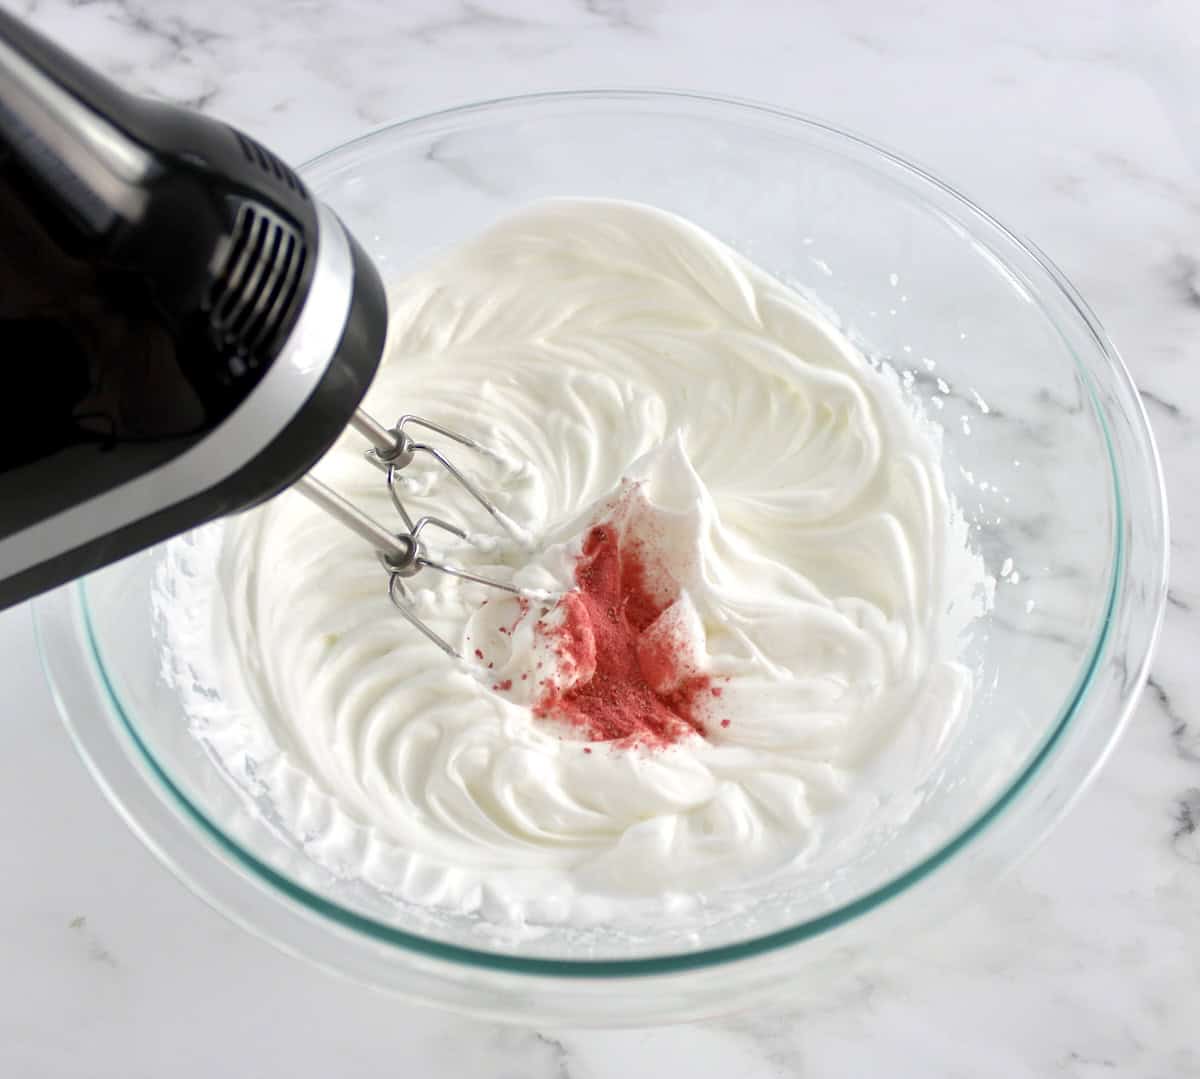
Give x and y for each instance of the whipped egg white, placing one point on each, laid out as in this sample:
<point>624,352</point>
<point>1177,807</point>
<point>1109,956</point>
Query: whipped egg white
<point>797,497</point>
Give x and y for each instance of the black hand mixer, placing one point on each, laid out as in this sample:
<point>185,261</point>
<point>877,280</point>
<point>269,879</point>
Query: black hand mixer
<point>184,330</point>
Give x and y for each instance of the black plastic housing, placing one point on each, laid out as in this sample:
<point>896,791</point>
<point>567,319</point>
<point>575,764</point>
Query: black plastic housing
<point>136,321</point>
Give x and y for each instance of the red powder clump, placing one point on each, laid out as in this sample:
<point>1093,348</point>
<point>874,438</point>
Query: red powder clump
<point>614,696</point>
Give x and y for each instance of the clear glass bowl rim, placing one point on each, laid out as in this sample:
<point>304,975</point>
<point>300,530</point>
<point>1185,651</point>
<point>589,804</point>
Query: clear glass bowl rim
<point>777,939</point>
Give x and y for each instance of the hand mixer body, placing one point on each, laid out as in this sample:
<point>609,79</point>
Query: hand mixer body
<point>184,329</point>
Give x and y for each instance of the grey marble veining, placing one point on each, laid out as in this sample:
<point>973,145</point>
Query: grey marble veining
<point>1075,124</point>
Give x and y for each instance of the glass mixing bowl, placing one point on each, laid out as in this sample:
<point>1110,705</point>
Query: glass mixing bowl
<point>1047,450</point>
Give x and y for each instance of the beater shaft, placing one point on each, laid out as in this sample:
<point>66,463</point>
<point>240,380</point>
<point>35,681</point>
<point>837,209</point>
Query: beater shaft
<point>384,441</point>
<point>398,550</point>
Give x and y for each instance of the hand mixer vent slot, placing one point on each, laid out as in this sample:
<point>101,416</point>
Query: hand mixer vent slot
<point>262,158</point>
<point>256,280</point>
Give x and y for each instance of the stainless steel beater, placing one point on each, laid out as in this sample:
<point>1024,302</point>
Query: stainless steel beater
<point>403,554</point>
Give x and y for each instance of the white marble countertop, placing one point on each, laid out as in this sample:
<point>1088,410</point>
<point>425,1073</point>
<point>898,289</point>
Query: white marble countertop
<point>1073,129</point>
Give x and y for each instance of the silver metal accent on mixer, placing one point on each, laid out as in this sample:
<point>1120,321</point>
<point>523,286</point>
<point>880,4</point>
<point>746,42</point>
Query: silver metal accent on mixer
<point>108,166</point>
<point>403,554</point>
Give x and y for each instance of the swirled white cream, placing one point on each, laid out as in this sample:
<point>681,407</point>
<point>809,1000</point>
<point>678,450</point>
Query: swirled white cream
<point>787,483</point>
